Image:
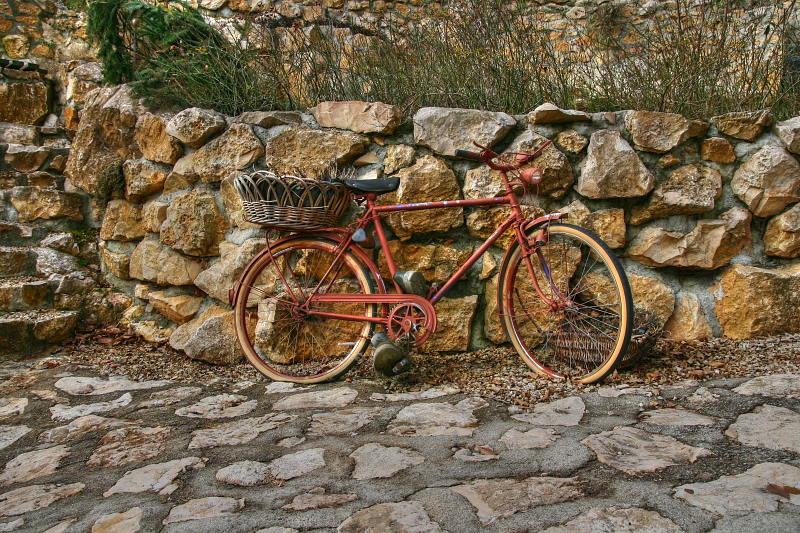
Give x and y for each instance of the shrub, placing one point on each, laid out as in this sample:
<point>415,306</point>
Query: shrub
<point>702,58</point>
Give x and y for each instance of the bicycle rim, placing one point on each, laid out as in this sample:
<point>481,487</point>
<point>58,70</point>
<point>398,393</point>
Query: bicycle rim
<point>282,340</point>
<point>585,338</point>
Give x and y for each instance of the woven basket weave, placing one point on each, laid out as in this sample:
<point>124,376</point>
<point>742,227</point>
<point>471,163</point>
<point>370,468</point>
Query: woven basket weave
<point>289,202</point>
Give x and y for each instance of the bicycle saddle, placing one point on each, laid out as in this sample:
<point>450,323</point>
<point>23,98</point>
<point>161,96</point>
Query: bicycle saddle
<point>377,186</point>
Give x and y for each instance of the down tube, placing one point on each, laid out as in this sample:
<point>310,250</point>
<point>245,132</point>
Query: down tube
<point>474,257</point>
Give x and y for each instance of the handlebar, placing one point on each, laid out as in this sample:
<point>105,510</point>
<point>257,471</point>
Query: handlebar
<point>487,156</point>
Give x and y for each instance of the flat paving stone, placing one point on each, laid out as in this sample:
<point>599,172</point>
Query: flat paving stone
<point>290,442</point>
<point>80,427</point>
<point>377,461</point>
<point>245,473</point>
<point>49,396</point>
<point>617,520</point>
<point>163,398</point>
<point>635,451</point>
<point>343,422</point>
<point>324,399</point>
<point>62,526</point>
<point>127,522</point>
<point>11,434</point>
<point>498,498</point>
<point>62,413</point>
<point>10,407</point>
<point>32,465</point>
<point>91,386</point>
<point>33,497</point>
<point>316,498</point>
<point>204,508</point>
<point>238,432</point>
<point>282,387</point>
<point>427,394</point>
<point>528,440</point>
<point>478,454</point>
<point>12,526</point>
<point>437,419</point>
<point>278,529</point>
<point>623,390</point>
<point>774,386</point>
<point>158,478</point>
<point>563,412</point>
<point>219,406</point>
<point>296,464</point>
<point>398,517</point>
<point>747,491</point>
<point>768,426</point>
<point>126,446</point>
<point>676,417</point>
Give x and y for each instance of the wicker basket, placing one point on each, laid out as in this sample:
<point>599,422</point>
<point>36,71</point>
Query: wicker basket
<point>289,202</point>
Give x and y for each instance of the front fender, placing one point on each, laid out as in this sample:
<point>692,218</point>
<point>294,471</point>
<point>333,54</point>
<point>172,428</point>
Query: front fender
<point>527,227</point>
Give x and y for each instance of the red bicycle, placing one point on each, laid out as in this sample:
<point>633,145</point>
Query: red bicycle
<point>307,306</point>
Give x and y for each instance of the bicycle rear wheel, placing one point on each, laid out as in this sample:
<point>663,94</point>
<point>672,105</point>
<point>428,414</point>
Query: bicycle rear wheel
<point>278,334</point>
<point>584,335</point>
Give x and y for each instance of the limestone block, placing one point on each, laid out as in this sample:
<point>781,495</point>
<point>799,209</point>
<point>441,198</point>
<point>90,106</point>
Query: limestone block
<point>35,203</point>
<point>104,137</point>
<point>143,178</point>
<point>25,158</point>
<point>549,113</point>
<point>756,302</point>
<point>710,245</point>
<point>768,181</point>
<point>445,130</point>
<point>782,236</point>
<point>557,176</point>
<point>152,262</point>
<point>612,169</point>
<point>360,117</point>
<point>122,222</point>
<point>179,309</point>
<point>745,125</point>
<point>235,149</point>
<point>688,323</point>
<point>312,151</point>
<point>689,190</point>
<point>652,296</point>
<point>653,131</point>
<point>428,180</point>
<point>222,275</point>
<point>268,119</point>
<point>454,316</point>
<point>194,224</point>
<point>194,126</point>
<point>154,141</point>
<point>571,141</point>
<point>398,156</point>
<point>718,150</point>
<point>24,102</point>
<point>608,224</point>
<point>209,337</point>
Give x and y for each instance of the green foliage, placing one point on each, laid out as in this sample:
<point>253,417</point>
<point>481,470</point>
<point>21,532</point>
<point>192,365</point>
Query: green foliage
<point>84,235</point>
<point>170,55</point>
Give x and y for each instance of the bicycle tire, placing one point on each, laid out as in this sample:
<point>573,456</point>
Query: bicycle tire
<point>587,339</point>
<point>285,345</point>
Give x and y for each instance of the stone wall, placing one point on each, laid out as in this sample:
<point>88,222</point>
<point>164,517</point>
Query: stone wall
<point>701,212</point>
<point>49,265</point>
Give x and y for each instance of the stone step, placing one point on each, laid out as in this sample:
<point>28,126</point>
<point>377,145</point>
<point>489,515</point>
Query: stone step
<point>24,293</point>
<point>16,261</point>
<point>25,333</point>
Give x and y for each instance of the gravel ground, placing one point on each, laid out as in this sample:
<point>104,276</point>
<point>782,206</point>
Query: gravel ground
<point>496,373</point>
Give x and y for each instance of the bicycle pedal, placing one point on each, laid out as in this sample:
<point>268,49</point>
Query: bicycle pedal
<point>412,282</point>
<point>388,356</point>
<point>404,365</point>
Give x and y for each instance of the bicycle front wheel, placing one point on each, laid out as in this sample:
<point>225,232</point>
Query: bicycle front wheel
<point>276,317</point>
<point>582,332</point>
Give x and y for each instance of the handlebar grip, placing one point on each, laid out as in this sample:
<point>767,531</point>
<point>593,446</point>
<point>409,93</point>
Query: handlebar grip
<point>466,154</point>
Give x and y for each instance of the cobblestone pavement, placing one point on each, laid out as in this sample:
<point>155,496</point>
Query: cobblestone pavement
<point>85,453</point>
